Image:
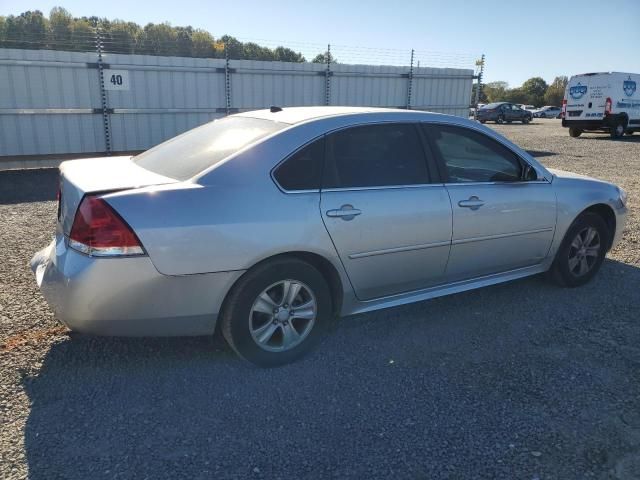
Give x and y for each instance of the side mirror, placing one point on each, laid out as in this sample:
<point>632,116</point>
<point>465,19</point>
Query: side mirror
<point>530,174</point>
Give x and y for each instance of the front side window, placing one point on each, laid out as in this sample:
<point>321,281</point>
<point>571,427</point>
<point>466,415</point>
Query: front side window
<point>375,155</point>
<point>471,156</point>
<point>194,151</point>
<point>303,169</point>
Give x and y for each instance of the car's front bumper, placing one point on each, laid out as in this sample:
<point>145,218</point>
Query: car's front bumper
<point>621,220</point>
<point>127,296</point>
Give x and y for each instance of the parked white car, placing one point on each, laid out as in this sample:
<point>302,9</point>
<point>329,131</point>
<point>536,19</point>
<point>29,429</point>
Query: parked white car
<point>547,111</point>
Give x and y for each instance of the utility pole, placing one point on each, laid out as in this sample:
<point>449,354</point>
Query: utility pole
<point>480,64</point>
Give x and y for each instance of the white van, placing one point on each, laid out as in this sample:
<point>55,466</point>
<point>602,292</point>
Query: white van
<point>602,102</point>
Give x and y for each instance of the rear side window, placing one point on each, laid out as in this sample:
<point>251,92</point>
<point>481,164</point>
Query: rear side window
<point>188,154</point>
<point>375,156</point>
<point>471,156</point>
<point>303,169</point>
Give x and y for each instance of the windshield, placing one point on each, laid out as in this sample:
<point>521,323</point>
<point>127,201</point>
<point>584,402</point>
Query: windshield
<point>184,156</point>
<point>491,106</point>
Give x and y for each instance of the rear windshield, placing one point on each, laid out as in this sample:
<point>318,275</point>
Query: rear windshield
<point>188,154</point>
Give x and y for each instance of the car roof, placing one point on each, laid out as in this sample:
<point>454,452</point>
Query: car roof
<point>293,115</point>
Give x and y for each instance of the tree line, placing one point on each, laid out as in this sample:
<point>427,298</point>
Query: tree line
<point>63,31</point>
<point>534,91</point>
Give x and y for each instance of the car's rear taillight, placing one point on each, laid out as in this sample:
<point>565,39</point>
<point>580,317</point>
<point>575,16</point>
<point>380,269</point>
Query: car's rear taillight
<point>99,231</point>
<point>563,113</point>
<point>607,106</point>
<point>59,199</point>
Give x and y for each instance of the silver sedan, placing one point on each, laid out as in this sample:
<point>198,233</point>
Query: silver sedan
<point>275,222</point>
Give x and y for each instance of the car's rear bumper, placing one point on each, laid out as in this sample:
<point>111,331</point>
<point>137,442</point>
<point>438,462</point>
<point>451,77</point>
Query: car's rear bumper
<point>602,124</point>
<point>127,296</point>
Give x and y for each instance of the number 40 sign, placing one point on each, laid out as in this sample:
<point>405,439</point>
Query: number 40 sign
<point>116,79</point>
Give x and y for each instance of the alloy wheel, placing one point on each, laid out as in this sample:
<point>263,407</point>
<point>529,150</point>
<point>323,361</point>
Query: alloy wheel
<point>584,251</point>
<point>283,315</point>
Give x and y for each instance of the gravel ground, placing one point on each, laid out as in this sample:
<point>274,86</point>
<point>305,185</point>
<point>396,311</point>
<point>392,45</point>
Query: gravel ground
<point>523,380</point>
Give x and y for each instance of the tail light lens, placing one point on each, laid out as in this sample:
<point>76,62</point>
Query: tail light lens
<point>607,106</point>
<point>563,114</point>
<point>59,198</point>
<point>99,231</point>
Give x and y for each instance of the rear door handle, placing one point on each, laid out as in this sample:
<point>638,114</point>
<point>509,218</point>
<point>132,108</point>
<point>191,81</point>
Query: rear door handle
<point>345,212</point>
<point>474,203</point>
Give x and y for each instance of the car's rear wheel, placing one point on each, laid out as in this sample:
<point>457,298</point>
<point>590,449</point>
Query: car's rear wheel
<point>574,132</point>
<point>582,251</point>
<point>277,312</point>
<point>617,129</point>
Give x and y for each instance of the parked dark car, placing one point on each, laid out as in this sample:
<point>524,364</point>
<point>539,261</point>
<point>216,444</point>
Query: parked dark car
<point>501,112</point>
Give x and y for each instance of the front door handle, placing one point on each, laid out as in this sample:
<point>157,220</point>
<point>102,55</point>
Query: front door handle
<point>345,212</point>
<point>474,203</point>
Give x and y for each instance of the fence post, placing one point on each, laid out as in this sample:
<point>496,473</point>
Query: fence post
<point>478,87</point>
<point>227,79</point>
<point>410,82</point>
<point>103,93</point>
<point>327,78</point>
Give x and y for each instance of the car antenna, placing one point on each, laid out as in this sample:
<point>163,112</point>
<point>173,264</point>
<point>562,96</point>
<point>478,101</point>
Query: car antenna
<point>274,109</point>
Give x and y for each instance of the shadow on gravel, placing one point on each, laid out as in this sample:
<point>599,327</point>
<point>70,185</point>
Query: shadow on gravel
<point>626,139</point>
<point>33,185</point>
<point>520,380</point>
<point>541,153</point>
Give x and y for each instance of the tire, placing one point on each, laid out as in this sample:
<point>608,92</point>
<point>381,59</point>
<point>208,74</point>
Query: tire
<point>500,119</point>
<point>483,121</point>
<point>244,314</point>
<point>525,120</point>
<point>509,121</point>
<point>574,132</point>
<point>565,270</point>
<point>630,132</point>
<point>617,129</point>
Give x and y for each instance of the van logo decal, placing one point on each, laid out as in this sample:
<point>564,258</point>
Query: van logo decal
<point>578,91</point>
<point>629,87</point>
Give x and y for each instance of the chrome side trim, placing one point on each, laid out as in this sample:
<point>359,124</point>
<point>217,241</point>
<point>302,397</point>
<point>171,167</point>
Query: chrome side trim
<point>399,249</point>
<point>516,183</point>
<point>441,290</point>
<point>500,235</point>
<point>382,187</point>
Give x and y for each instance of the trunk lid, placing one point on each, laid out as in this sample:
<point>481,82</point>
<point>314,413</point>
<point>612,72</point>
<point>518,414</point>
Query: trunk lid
<point>94,175</point>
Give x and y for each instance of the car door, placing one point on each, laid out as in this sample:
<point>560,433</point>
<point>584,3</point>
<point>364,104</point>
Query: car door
<point>503,215</point>
<point>390,224</point>
<point>508,111</point>
<point>517,113</point>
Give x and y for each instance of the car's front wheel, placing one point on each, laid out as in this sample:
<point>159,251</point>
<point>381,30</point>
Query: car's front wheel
<point>574,132</point>
<point>500,119</point>
<point>277,312</point>
<point>582,251</point>
<point>526,120</point>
